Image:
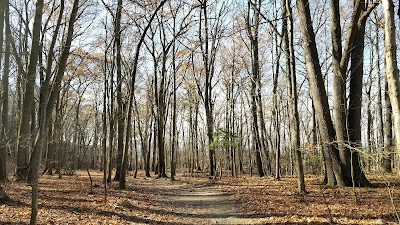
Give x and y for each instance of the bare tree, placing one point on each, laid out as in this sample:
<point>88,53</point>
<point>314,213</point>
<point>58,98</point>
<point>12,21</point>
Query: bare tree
<point>252,32</point>
<point>133,78</point>
<point>320,99</point>
<point>4,132</point>
<point>391,68</point>
<point>293,97</point>
<point>120,115</point>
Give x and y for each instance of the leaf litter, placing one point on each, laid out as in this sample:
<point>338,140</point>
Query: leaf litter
<point>198,200</point>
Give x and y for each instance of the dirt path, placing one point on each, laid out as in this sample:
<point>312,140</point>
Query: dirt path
<point>206,205</point>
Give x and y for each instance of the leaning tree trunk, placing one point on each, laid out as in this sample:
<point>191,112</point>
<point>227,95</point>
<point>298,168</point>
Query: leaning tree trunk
<point>320,98</point>
<point>133,77</point>
<point>24,142</point>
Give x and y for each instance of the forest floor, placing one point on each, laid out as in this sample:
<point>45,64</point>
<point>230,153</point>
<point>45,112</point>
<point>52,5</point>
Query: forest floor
<point>198,200</point>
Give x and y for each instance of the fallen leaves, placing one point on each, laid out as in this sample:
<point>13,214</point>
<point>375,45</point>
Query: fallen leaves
<point>160,201</point>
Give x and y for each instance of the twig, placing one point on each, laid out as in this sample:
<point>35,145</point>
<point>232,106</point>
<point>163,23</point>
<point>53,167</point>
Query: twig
<point>327,206</point>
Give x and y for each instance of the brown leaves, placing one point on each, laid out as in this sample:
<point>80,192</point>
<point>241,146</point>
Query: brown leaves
<point>249,200</point>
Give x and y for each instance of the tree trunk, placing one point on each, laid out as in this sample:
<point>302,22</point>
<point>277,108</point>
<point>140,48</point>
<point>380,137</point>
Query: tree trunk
<point>174,135</point>
<point>275,111</point>
<point>24,141</point>
<point>379,104</point>
<point>388,152</point>
<point>133,76</point>
<point>27,110</point>
<point>391,68</point>
<point>320,99</point>
<point>354,171</point>
<point>111,118</point>
<point>208,86</point>
<point>4,18</point>
<point>104,119</point>
<point>293,106</point>
<point>119,115</point>
<point>339,84</point>
<point>252,32</point>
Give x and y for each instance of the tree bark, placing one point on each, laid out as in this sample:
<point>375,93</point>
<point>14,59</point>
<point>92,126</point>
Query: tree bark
<point>293,105</point>
<point>320,99</point>
<point>252,32</point>
<point>388,154</point>
<point>339,84</point>
<point>391,68</point>
<point>174,86</point>
<point>208,86</point>
<point>120,115</point>
<point>4,18</point>
<point>27,110</point>
<point>354,172</point>
<point>379,104</point>
<point>24,141</point>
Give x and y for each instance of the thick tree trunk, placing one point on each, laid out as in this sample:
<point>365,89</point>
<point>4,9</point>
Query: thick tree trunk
<point>339,84</point>
<point>120,114</point>
<point>320,99</point>
<point>4,18</point>
<point>50,158</point>
<point>391,68</point>
<point>24,140</point>
<point>388,153</point>
<point>354,172</point>
<point>161,115</point>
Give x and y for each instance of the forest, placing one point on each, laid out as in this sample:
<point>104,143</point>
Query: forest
<point>199,112</point>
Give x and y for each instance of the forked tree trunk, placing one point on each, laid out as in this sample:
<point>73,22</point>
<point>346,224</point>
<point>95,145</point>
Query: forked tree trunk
<point>320,99</point>
<point>208,86</point>
<point>252,32</point>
